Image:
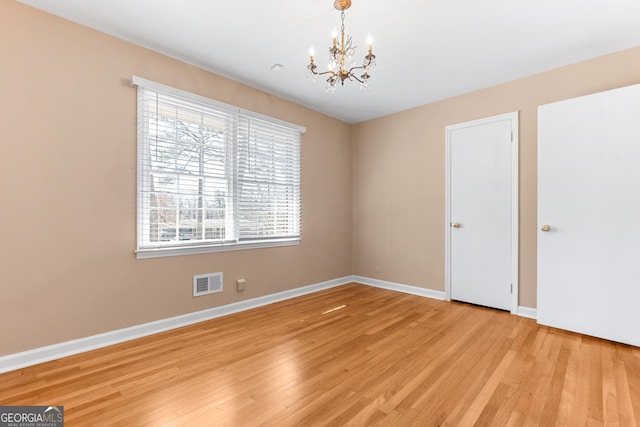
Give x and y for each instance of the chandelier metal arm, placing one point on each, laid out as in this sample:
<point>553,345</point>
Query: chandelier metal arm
<point>355,77</point>
<point>313,70</point>
<point>351,75</point>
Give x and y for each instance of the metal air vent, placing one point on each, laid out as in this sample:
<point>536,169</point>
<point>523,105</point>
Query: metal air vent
<point>204,284</point>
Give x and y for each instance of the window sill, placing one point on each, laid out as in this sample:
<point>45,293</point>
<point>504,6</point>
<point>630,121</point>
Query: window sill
<point>194,250</point>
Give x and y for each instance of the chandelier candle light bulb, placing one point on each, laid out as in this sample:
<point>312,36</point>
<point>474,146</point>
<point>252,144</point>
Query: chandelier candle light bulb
<point>337,70</point>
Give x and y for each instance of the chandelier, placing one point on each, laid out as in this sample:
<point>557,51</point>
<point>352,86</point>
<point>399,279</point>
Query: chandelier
<point>342,65</point>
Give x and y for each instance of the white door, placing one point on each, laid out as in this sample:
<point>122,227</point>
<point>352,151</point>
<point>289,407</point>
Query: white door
<point>589,197</point>
<point>482,211</point>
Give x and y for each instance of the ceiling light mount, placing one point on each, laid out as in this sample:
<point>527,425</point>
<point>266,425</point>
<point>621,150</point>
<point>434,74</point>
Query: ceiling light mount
<point>342,4</point>
<point>341,58</point>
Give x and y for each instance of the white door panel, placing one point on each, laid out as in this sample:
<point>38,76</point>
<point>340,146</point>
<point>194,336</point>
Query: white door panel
<point>589,195</point>
<point>480,200</point>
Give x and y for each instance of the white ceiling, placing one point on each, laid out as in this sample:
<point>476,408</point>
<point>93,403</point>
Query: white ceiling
<point>427,50</point>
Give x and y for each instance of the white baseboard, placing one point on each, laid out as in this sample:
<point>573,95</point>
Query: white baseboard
<point>531,313</point>
<point>23,359</point>
<point>398,287</point>
<point>56,351</point>
<point>429,293</point>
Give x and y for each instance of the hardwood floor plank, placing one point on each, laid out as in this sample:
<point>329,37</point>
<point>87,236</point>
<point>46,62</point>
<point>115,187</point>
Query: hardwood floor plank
<point>609,392</point>
<point>596,409</point>
<point>568,395</point>
<point>352,355</point>
<point>498,409</point>
<point>623,396</point>
<point>560,362</point>
<point>483,397</point>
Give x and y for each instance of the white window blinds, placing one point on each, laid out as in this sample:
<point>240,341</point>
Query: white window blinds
<point>268,180</point>
<point>212,176</point>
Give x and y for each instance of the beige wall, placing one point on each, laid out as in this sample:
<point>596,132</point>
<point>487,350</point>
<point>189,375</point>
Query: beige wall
<point>68,188</point>
<point>399,172</point>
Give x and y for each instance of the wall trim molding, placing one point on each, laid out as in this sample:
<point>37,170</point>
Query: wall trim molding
<point>529,312</point>
<point>48,353</point>
<point>399,287</point>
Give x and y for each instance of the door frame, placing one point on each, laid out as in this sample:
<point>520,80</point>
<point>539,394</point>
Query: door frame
<point>513,118</point>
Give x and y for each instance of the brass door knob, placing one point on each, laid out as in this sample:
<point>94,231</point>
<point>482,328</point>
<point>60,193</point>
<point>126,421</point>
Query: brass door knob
<point>545,228</point>
<point>456,225</point>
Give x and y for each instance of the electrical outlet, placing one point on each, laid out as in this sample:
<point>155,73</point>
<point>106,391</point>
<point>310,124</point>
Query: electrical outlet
<point>376,268</point>
<point>241,285</point>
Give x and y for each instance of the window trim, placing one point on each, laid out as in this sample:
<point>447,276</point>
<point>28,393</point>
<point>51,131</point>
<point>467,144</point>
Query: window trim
<point>170,251</point>
<point>186,248</point>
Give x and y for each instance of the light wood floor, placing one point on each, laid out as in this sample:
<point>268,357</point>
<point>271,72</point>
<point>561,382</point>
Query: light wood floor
<point>353,355</point>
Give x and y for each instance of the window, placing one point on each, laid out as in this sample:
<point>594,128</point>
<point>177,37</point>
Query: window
<point>212,176</point>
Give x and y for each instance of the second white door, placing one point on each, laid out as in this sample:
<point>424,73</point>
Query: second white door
<point>589,213</point>
<point>482,211</point>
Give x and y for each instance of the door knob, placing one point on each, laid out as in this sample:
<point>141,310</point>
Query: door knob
<point>545,228</point>
<point>456,225</point>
